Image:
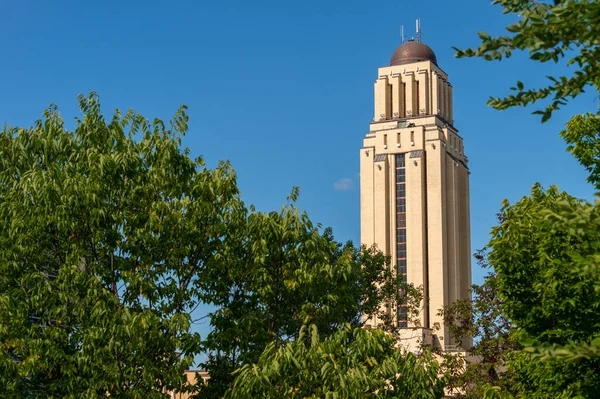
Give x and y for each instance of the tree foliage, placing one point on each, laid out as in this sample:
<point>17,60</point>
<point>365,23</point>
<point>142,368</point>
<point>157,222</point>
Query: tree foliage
<point>105,234</point>
<point>545,250</point>
<point>535,319</point>
<point>546,255</point>
<point>352,363</point>
<point>582,136</point>
<point>113,236</point>
<point>550,31</point>
<point>533,251</point>
<point>482,320</point>
<point>284,274</point>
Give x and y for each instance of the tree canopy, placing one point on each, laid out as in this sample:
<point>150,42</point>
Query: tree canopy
<point>549,31</point>
<point>105,234</point>
<point>112,237</point>
<point>351,363</point>
<point>282,275</point>
<point>544,252</point>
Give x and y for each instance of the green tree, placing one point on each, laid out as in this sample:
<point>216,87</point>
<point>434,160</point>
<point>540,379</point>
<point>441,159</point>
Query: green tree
<point>106,232</point>
<point>351,363</point>
<point>535,319</point>
<point>539,252</point>
<point>582,136</point>
<point>566,31</point>
<point>282,273</point>
<point>112,237</point>
<point>545,250</point>
<point>482,321</point>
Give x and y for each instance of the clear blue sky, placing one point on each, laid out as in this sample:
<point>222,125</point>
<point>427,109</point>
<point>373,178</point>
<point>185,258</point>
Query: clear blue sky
<point>284,90</point>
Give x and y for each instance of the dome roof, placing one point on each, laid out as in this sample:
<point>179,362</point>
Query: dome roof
<point>412,51</point>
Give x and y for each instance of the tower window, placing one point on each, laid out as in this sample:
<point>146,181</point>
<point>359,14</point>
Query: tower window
<point>417,104</point>
<point>404,101</point>
<point>400,175</point>
<point>388,101</point>
<point>402,267</point>
<point>401,228</point>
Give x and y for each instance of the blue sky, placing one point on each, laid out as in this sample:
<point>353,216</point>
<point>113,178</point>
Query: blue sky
<point>284,90</point>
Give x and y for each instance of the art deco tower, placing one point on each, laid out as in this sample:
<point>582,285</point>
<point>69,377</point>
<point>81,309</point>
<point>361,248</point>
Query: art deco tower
<point>414,186</point>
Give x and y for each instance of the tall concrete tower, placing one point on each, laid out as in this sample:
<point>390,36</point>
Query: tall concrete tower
<point>414,187</point>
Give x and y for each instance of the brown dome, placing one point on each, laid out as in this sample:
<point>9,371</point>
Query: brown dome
<point>412,51</point>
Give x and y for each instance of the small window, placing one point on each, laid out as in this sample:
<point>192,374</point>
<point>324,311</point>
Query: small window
<point>399,160</point>
<point>417,104</point>
<point>401,220</point>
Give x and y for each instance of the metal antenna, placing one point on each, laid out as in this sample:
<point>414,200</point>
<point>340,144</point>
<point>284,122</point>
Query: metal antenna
<point>419,30</point>
<point>402,33</point>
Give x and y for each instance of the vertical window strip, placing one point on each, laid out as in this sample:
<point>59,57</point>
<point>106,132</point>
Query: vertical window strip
<point>388,105</point>
<point>401,230</point>
<point>417,99</point>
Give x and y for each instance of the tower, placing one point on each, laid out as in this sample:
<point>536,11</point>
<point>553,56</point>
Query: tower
<point>414,187</point>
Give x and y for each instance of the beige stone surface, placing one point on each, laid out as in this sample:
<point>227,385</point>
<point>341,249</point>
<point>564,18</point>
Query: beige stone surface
<point>191,378</point>
<point>414,116</point>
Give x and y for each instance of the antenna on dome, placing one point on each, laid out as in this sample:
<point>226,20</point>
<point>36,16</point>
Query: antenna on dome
<point>419,34</point>
<point>402,33</point>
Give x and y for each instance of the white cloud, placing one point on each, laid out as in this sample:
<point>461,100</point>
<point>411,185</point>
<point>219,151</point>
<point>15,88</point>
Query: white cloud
<point>344,184</point>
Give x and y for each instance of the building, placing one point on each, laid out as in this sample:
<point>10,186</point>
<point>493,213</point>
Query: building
<point>192,378</point>
<point>414,187</point>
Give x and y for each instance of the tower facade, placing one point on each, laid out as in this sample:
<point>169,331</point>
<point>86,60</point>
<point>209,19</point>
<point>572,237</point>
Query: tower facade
<point>414,186</point>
